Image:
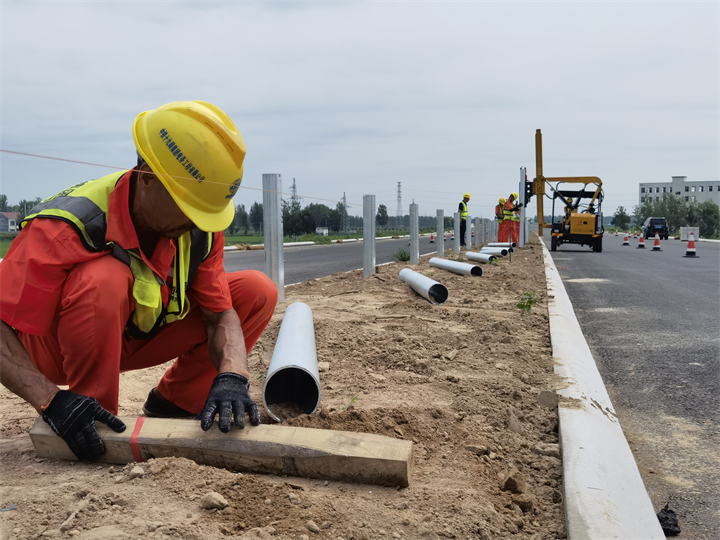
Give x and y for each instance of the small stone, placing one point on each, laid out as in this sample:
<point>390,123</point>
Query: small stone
<point>427,518</point>
<point>547,449</point>
<point>514,482</point>
<point>267,501</point>
<point>398,431</point>
<point>293,499</point>
<point>401,506</point>
<point>325,483</point>
<point>111,470</point>
<point>453,379</point>
<point>304,537</point>
<point>477,450</point>
<point>136,472</point>
<point>188,515</point>
<point>157,467</point>
<point>68,523</point>
<point>323,367</point>
<point>513,423</point>
<point>492,455</point>
<point>395,535</point>
<point>213,500</point>
<point>524,501</point>
<point>501,366</point>
<point>312,527</point>
<point>548,399</point>
<point>524,378</point>
<point>326,524</point>
<point>651,471</point>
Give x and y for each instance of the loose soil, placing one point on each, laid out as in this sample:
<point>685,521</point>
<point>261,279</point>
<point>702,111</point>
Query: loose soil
<point>460,380</point>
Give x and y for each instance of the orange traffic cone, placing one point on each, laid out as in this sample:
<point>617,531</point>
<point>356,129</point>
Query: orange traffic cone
<point>690,252</point>
<point>656,244</point>
<point>626,241</point>
<point>432,238</point>
<point>634,235</point>
<point>641,242</point>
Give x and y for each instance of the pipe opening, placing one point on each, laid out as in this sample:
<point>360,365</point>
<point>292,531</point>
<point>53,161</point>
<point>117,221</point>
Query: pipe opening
<point>438,293</point>
<point>292,385</point>
<point>476,271</point>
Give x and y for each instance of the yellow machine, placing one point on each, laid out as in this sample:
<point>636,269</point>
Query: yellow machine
<point>581,222</point>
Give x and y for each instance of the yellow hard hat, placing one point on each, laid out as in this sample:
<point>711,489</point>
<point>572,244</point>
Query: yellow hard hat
<point>197,153</point>
<point>515,195</point>
<point>501,200</point>
<point>466,196</point>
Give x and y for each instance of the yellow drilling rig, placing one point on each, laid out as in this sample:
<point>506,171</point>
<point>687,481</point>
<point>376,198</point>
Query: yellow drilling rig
<point>581,222</point>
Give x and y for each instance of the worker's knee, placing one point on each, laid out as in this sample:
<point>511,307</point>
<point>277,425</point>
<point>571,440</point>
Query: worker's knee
<point>105,282</point>
<point>253,287</point>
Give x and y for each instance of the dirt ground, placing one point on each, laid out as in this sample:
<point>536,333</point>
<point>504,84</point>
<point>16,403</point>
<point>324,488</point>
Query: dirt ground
<point>460,380</point>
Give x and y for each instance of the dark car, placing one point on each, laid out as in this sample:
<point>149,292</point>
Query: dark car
<point>654,225</point>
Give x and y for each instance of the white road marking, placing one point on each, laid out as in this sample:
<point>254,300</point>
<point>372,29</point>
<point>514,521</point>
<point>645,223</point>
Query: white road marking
<point>586,280</point>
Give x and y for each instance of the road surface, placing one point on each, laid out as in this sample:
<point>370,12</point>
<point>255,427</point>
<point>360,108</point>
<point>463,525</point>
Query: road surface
<point>651,320</point>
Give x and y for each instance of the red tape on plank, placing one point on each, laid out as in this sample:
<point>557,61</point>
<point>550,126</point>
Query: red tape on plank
<point>134,438</point>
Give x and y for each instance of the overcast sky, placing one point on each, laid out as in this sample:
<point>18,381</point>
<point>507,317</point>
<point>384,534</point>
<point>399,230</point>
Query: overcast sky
<point>354,97</point>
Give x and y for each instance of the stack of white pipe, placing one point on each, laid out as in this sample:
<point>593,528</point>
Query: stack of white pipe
<point>502,244</point>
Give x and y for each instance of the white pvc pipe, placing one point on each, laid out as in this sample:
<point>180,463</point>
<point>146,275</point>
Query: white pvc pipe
<point>293,376</point>
<point>495,251</point>
<point>463,269</point>
<point>434,292</point>
<point>481,257</point>
<point>502,244</point>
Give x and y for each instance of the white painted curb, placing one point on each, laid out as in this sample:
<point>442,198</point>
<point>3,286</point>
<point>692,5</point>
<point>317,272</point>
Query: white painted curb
<point>604,494</point>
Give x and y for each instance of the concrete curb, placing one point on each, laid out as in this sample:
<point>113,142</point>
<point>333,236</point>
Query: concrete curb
<point>604,494</point>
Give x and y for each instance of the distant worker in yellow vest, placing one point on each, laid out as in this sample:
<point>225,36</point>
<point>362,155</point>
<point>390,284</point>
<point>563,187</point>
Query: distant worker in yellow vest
<point>514,217</point>
<point>463,210</point>
<point>126,272</point>
<point>500,217</point>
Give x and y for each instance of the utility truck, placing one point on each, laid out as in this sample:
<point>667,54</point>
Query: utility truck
<point>581,220</point>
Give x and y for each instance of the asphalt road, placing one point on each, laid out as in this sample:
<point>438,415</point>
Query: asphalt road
<point>652,322</point>
<point>309,262</point>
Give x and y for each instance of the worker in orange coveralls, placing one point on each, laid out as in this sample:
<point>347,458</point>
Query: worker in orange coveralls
<point>126,272</point>
<point>514,217</point>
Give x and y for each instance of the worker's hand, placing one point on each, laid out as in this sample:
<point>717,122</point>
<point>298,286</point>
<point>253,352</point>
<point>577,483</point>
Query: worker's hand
<point>229,397</point>
<point>73,416</point>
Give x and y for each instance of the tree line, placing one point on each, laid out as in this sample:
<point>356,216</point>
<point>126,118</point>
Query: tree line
<point>678,212</point>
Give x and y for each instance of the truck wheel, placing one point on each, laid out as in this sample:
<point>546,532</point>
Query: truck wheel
<point>553,243</point>
<point>597,246</point>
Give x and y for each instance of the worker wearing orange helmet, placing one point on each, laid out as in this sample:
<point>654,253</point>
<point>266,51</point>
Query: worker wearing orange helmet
<point>512,212</point>
<point>463,210</point>
<point>126,272</point>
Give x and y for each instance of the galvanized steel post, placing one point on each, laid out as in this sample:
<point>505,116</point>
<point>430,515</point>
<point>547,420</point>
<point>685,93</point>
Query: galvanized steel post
<point>273,232</point>
<point>440,233</point>
<point>368,235</point>
<point>468,232</point>
<point>456,234</point>
<point>414,235</point>
<point>478,238</point>
<point>522,239</point>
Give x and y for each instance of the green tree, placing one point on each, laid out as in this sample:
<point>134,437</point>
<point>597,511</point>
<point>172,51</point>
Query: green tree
<point>381,218</point>
<point>4,207</point>
<point>709,218</point>
<point>323,215</point>
<point>241,221</point>
<point>621,218</point>
<point>256,217</point>
<point>297,221</point>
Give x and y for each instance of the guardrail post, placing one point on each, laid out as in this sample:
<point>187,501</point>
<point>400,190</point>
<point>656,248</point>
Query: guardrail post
<point>522,239</point>
<point>273,232</point>
<point>414,235</point>
<point>456,234</point>
<point>440,239</point>
<point>468,232</point>
<point>478,239</point>
<point>368,235</point>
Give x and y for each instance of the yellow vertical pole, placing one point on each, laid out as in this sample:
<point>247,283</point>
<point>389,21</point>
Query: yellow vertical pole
<point>539,182</point>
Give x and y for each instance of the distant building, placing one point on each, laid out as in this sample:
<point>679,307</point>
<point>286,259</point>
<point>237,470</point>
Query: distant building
<point>9,221</point>
<point>690,191</point>
<point>321,231</point>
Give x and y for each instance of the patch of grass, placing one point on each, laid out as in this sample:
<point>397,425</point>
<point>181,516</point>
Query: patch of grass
<point>401,255</point>
<point>251,239</point>
<point>527,301</point>
<point>346,407</point>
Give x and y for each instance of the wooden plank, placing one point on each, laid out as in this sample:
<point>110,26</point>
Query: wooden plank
<point>311,453</point>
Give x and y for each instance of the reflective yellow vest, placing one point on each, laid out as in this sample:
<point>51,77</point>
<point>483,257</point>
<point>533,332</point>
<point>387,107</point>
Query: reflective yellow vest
<point>508,214</point>
<point>85,207</point>
<point>499,212</point>
<point>464,213</point>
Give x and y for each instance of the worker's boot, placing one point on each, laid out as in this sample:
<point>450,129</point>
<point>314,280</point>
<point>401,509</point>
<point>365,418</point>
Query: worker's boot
<point>157,406</point>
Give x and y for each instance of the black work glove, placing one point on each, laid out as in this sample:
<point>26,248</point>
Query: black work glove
<point>72,416</point>
<point>229,397</point>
